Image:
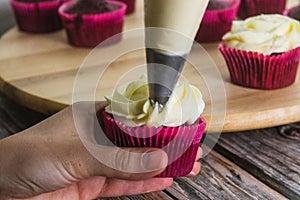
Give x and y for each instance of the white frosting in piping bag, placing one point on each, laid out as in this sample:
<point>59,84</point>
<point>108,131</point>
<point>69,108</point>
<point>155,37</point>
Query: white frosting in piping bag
<point>179,20</point>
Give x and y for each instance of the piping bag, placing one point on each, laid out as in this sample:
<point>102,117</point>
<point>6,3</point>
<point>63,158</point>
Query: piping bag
<point>170,29</point>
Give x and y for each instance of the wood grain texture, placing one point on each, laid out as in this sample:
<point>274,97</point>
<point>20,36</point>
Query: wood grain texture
<point>38,71</point>
<point>15,118</point>
<point>271,155</point>
<point>221,179</point>
<point>148,196</point>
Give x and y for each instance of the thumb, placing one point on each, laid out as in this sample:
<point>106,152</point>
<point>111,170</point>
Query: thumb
<point>128,163</point>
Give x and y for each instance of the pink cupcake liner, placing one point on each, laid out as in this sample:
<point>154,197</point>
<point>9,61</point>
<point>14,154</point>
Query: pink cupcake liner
<point>288,12</point>
<point>41,17</point>
<point>92,29</point>
<point>130,6</point>
<point>173,140</point>
<point>216,23</point>
<point>255,70</point>
<point>251,8</point>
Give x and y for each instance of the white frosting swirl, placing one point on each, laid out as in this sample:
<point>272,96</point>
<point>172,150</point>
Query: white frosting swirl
<point>265,34</point>
<point>130,104</point>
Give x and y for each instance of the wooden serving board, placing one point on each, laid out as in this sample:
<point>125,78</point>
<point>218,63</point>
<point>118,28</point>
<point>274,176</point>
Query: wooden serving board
<point>39,70</point>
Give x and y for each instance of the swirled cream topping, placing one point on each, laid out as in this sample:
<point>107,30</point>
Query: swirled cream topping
<point>265,34</point>
<point>130,104</point>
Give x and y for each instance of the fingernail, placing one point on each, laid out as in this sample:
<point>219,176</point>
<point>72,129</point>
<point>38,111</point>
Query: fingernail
<point>154,160</point>
<point>191,174</point>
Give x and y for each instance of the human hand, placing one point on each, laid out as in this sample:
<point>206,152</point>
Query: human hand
<point>49,161</point>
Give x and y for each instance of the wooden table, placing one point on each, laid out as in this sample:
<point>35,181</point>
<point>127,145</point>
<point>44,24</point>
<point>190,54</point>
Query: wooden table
<point>259,164</point>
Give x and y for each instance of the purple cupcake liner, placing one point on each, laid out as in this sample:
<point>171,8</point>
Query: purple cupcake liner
<point>250,8</point>
<point>40,17</point>
<point>256,70</point>
<point>130,6</point>
<point>91,29</point>
<point>216,23</point>
<point>180,143</point>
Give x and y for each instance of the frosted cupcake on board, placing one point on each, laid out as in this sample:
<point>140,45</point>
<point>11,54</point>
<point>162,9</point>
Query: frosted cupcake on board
<point>131,120</point>
<point>263,51</point>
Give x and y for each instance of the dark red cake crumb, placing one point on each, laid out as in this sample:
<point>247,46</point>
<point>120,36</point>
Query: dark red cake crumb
<point>33,1</point>
<point>91,7</point>
<point>217,5</point>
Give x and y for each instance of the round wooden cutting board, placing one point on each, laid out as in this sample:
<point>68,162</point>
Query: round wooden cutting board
<point>39,71</point>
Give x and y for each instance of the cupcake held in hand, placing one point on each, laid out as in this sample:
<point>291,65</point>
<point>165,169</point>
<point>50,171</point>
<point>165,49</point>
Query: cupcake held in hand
<point>131,120</point>
<point>90,22</point>
<point>37,16</point>
<point>263,51</point>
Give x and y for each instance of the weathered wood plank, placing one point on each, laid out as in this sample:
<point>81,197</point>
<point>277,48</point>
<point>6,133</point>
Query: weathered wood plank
<point>148,196</point>
<point>14,118</point>
<point>221,179</point>
<point>271,155</point>
<point>151,196</point>
<point>114,198</point>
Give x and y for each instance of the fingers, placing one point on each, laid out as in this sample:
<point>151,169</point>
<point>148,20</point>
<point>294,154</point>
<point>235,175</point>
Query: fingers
<point>116,187</point>
<point>128,163</point>
<point>132,163</point>
<point>195,171</point>
<point>98,186</point>
<point>100,105</point>
<point>197,166</point>
<point>199,154</point>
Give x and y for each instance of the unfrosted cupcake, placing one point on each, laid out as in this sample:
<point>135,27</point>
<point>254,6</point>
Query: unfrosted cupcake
<point>90,22</point>
<point>130,6</point>
<point>251,8</point>
<point>131,120</point>
<point>217,20</point>
<point>263,51</point>
<point>293,12</point>
<point>37,16</point>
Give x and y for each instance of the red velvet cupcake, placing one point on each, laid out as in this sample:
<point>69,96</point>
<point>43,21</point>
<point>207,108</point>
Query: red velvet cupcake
<point>180,143</point>
<point>90,22</point>
<point>217,20</point>
<point>263,52</point>
<point>37,16</point>
<point>251,8</point>
<point>130,6</point>
<point>255,70</point>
